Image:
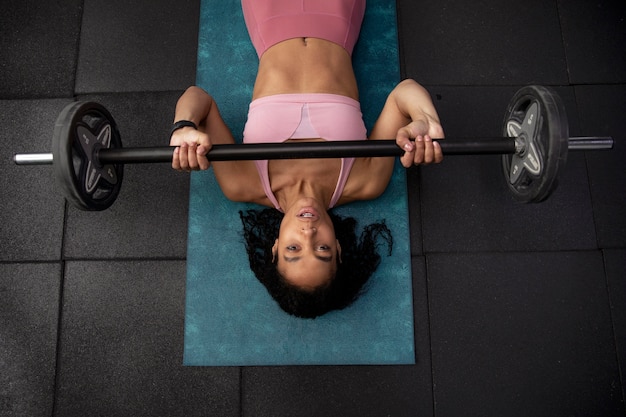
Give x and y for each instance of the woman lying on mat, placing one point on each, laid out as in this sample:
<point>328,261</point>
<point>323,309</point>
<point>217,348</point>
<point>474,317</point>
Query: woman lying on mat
<point>309,260</point>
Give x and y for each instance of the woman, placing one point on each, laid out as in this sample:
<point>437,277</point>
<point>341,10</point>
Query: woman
<point>305,89</point>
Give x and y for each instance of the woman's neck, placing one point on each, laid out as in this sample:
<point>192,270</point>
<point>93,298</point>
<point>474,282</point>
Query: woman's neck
<point>287,196</point>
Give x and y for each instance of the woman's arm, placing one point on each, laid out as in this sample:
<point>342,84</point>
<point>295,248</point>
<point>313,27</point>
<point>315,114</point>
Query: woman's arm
<point>196,106</point>
<point>238,180</point>
<point>410,117</point>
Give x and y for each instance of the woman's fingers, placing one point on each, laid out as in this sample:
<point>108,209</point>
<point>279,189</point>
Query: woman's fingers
<point>423,151</point>
<point>183,156</point>
<point>201,152</point>
<point>176,159</point>
<point>429,153</point>
<point>403,141</point>
<point>437,152</point>
<point>191,152</point>
<point>421,146</point>
<point>407,159</point>
<point>193,157</point>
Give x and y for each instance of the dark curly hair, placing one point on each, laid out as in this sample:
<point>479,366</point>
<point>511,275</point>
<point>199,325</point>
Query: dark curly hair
<point>360,258</point>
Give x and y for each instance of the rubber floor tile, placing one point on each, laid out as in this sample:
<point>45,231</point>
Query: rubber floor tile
<point>39,44</point>
<point>522,334</point>
<point>122,345</point>
<point>594,35</point>
<point>331,391</point>
<point>135,46</point>
<point>29,314</point>
<point>482,42</point>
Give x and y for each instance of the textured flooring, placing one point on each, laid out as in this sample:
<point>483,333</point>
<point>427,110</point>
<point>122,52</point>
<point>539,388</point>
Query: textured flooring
<point>520,310</point>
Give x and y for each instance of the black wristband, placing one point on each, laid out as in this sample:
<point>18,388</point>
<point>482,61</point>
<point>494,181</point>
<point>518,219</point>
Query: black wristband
<point>182,123</point>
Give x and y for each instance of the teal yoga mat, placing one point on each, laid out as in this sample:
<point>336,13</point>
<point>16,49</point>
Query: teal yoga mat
<point>230,319</point>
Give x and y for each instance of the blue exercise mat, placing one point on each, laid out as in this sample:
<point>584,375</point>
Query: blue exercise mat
<point>230,318</point>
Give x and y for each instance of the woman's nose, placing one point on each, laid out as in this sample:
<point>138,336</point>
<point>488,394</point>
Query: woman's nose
<point>309,230</point>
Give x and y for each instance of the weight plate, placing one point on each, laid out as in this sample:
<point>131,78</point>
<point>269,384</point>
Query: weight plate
<point>537,116</point>
<point>80,131</point>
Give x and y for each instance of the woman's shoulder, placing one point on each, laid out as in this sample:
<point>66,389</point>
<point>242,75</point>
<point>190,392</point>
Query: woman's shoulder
<point>239,181</point>
<point>368,179</point>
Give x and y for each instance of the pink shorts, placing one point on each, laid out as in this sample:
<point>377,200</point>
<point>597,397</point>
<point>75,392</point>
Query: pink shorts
<point>272,21</point>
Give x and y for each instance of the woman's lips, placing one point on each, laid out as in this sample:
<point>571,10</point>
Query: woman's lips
<point>308,213</point>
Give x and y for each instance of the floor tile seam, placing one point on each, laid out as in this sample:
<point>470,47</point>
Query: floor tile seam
<point>430,339</point>
<point>619,248</point>
<point>512,252</point>
<point>58,353</point>
<point>594,215</point>
<point>36,98</point>
<point>59,338</point>
<point>563,43</point>
<point>76,96</point>
<point>598,84</point>
<point>518,85</point>
<point>77,49</point>
<point>613,327</point>
<point>428,302</point>
<point>414,223</point>
<point>127,92</point>
<point>128,259</point>
<point>30,262</point>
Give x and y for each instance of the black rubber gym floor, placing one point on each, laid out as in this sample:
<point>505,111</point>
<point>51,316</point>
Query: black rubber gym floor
<point>520,310</point>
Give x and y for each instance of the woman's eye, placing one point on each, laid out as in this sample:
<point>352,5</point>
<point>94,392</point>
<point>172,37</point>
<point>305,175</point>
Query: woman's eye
<point>292,248</point>
<point>323,248</point>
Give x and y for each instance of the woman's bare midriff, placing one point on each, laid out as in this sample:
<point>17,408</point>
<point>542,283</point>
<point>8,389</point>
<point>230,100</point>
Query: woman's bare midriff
<point>305,65</point>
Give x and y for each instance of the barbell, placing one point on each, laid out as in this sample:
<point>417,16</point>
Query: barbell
<point>88,157</point>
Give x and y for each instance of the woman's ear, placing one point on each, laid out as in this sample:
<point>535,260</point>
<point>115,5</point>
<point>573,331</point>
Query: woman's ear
<point>339,251</point>
<point>274,251</point>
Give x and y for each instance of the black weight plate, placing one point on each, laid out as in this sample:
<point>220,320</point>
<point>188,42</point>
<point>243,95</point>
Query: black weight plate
<point>535,114</point>
<point>80,130</point>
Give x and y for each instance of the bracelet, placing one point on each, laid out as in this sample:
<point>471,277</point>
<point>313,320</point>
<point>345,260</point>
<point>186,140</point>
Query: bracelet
<point>182,123</point>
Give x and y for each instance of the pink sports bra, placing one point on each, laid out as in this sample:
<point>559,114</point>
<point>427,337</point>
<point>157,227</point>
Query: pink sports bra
<point>304,116</point>
<point>272,21</point>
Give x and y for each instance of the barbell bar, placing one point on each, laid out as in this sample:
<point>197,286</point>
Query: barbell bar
<point>305,150</point>
<point>88,157</point>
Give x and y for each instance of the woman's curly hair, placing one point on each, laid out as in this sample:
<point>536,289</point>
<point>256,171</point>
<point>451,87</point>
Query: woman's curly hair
<point>359,259</point>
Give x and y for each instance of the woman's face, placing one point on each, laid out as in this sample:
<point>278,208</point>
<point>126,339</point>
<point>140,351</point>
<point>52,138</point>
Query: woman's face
<point>306,249</point>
